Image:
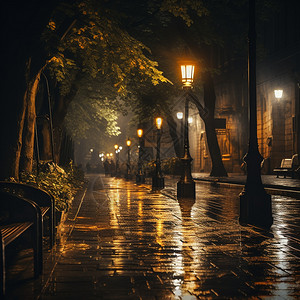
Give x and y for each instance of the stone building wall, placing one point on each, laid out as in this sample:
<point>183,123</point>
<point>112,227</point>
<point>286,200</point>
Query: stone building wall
<point>276,118</point>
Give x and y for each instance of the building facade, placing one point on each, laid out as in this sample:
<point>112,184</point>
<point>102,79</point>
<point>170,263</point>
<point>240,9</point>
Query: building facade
<point>278,119</point>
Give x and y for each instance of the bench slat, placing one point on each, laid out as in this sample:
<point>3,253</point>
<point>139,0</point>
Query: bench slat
<point>12,231</point>
<point>44,200</point>
<point>286,163</point>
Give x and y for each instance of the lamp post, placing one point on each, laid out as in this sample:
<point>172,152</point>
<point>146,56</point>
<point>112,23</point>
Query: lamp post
<point>180,118</point>
<point>128,174</point>
<point>117,150</point>
<point>140,178</point>
<point>158,181</point>
<point>255,203</point>
<point>186,184</point>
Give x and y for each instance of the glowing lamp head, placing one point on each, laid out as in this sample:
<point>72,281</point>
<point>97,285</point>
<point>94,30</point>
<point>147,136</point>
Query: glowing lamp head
<point>128,142</point>
<point>190,120</point>
<point>116,147</point>
<point>179,115</point>
<point>140,133</point>
<point>158,122</point>
<point>278,94</point>
<point>187,74</point>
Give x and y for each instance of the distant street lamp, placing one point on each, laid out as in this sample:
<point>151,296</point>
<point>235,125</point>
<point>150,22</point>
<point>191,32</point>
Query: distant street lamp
<point>278,94</point>
<point>179,115</point>
<point>158,181</point>
<point>255,203</point>
<point>186,184</point>
<point>140,177</point>
<point>117,150</point>
<point>128,174</point>
<point>180,118</point>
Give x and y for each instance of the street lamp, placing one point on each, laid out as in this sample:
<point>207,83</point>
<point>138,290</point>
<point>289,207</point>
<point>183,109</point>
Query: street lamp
<point>187,73</point>
<point>117,150</point>
<point>128,174</point>
<point>140,178</point>
<point>186,184</point>
<point>158,181</point>
<point>255,203</point>
<point>278,94</point>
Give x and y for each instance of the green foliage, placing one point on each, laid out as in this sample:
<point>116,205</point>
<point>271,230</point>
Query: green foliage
<point>61,184</point>
<point>170,166</point>
<point>184,9</point>
<point>97,46</point>
<point>149,168</point>
<point>91,118</point>
<point>90,49</point>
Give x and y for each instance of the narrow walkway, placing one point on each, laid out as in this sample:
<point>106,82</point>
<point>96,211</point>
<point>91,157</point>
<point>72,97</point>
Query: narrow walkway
<point>273,184</point>
<point>121,241</point>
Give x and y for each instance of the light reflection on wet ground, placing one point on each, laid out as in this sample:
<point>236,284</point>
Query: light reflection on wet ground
<point>130,243</point>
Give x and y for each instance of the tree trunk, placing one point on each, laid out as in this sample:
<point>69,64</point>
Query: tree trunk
<point>218,168</point>
<point>26,158</point>
<point>59,112</point>
<point>67,150</point>
<point>44,134</point>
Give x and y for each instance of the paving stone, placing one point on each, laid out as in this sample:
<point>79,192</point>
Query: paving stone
<point>126,242</point>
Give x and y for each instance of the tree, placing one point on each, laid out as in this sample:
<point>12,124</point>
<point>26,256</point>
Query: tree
<point>84,31</point>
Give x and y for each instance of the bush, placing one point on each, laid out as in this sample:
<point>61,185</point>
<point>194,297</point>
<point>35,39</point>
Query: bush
<point>170,166</point>
<point>149,168</point>
<point>61,184</point>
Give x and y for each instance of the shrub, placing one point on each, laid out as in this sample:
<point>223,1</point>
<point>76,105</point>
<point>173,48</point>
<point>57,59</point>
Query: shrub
<point>170,166</point>
<point>61,184</point>
<point>149,168</point>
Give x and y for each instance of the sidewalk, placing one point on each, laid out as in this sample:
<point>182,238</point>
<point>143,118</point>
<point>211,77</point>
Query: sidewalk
<point>277,186</point>
<point>122,241</point>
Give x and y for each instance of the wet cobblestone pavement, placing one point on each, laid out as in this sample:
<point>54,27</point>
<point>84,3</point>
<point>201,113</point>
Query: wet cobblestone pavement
<point>122,241</point>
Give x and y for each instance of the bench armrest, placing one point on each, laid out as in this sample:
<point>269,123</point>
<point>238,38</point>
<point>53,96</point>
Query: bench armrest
<point>39,196</point>
<point>18,209</point>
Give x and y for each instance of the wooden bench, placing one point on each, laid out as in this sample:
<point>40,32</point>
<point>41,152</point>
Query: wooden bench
<point>43,199</point>
<point>287,167</point>
<point>17,216</point>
